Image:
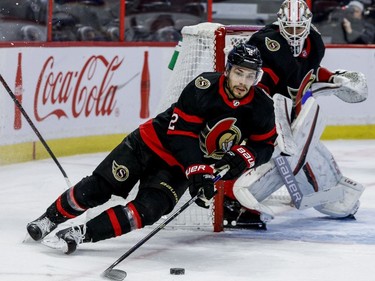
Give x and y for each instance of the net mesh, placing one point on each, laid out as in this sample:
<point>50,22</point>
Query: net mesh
<point>196,54</point>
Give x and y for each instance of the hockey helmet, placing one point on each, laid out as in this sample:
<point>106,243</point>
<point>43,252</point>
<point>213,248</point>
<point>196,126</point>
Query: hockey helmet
<point>247,56</point>
<point>294,19</point>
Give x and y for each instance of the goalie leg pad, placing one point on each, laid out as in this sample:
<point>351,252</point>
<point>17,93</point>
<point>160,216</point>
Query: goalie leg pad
<point>321,165</point>
<point>306,130</point>
<point>261,182</point>
<point>247,199</point>
<point>348,205</point>
<point>285,141</point>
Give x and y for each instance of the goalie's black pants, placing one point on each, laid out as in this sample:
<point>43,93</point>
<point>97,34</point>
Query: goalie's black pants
<point>160,188</point>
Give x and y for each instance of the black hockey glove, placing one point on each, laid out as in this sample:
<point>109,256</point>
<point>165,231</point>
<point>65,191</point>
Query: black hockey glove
<point>239,158</point>
<point>201,182</point>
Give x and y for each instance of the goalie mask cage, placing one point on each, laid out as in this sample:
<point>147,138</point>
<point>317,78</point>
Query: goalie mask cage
<point>203,48</point>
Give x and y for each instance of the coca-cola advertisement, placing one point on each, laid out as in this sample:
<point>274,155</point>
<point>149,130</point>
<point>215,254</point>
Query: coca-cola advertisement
<point>72,92</point>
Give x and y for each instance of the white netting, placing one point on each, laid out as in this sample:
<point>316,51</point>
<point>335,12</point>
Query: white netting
<point>196,55</point>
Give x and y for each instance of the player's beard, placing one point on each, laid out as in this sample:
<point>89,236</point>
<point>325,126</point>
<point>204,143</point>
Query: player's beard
<point>231,94</point>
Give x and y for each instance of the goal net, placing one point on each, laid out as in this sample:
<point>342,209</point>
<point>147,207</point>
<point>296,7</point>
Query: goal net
<point>203,48</point>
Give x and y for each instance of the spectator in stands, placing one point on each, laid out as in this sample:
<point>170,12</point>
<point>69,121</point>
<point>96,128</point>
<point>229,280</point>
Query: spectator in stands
<point>356,29</point>
<point>163,29</point>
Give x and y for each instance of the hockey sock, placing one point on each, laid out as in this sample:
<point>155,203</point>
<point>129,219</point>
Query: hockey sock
<point>65,207</point>
<point>90,192</point>
<point>114,222</point>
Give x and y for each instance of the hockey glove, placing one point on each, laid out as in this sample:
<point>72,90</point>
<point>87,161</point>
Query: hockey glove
<point>239,158</point>
<point>201,182</point>
<point>353,86</point>
<point>339,78</point>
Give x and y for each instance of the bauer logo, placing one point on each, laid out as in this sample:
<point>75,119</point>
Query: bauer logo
<point>202,83</point>
<point>289,180</point>
<point>120,172</point>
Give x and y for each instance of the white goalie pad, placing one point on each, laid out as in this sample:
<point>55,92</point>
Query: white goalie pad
<point>349,204</point>
<point>313,166</point>
<point>306,130</point>
<point>248,201</point>
<point>285,140</point>
<point>349,86</point>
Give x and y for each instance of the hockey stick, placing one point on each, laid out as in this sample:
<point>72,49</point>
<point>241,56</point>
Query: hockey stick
<point>118,274</point>
<point>18,104</point>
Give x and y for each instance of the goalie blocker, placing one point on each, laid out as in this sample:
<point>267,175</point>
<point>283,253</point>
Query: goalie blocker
<point>310,173</point>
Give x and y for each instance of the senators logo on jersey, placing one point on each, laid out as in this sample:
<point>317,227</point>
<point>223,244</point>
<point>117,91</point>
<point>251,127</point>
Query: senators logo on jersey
<point>215,141</point>
<point>120,172</point>
<point>272,45</point>
<point>202,83</point>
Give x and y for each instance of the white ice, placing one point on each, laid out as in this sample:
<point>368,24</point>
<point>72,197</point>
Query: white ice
<point>298,245</point>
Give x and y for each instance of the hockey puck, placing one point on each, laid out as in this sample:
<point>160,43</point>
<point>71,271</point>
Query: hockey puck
<point>177,271</point>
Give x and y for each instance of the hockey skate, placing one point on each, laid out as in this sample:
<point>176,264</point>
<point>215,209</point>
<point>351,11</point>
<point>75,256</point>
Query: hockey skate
<point>40,228</point>
<point>67,240</point>
<point>236,216</point>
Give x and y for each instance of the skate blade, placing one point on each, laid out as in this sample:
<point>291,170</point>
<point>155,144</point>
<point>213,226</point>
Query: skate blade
<point>28,239</point>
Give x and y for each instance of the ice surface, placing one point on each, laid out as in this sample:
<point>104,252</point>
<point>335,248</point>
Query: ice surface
<point>298,245</point>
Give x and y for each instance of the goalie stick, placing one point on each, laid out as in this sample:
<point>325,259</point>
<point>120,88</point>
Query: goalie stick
<point>118,274</point>
<point>18,104</point>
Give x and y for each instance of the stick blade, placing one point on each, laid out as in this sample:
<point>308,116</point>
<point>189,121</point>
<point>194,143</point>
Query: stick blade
<point>114,274</point>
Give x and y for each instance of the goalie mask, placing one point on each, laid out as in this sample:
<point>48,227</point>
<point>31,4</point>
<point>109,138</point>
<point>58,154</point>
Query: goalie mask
<point>294,19</point>
<point>247,56</point>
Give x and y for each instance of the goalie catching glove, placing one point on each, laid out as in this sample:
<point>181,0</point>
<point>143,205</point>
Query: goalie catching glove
<point>239,158</point>
<point>201,182</point>
<point>353,85</point>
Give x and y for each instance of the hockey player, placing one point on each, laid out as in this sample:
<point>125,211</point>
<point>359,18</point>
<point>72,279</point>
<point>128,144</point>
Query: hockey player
<point>220,119</point>
<point>292,50</point>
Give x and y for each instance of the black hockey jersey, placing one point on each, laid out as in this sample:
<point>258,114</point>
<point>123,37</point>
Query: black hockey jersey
<point>284,73</point>
<point>204,124</point>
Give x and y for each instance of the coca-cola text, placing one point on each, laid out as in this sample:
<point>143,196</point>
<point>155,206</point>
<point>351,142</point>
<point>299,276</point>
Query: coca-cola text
<point>87,92</point>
